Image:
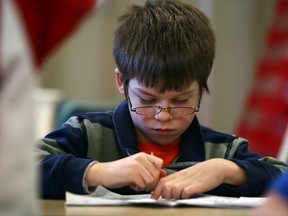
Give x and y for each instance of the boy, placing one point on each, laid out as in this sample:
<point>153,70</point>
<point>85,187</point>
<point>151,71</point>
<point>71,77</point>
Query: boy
<point>153,141</point>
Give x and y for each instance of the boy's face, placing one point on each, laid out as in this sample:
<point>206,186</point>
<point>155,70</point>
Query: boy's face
<point>162,128</point>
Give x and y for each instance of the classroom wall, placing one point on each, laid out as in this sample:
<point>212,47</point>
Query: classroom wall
<point>83,68</point>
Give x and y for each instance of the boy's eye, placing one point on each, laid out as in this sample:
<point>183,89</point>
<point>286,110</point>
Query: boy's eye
<point>147,102</point>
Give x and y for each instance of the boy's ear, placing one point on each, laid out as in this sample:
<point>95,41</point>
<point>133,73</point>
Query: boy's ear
<point>119,80</point>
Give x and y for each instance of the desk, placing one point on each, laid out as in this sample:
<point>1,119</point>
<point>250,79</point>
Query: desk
<point>57,207</point>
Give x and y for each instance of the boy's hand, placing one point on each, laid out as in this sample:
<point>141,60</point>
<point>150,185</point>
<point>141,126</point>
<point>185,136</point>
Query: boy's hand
<point>140,171</point>
<point>199,178</point>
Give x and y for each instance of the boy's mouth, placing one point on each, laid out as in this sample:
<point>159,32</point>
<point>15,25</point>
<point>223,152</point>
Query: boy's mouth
<point>164,132</point>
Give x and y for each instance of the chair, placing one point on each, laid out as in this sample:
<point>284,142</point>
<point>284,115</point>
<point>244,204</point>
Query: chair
<point>66,109</point>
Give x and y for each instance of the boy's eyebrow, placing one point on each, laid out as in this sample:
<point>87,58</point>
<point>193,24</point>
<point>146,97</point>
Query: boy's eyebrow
<point>143,91</point>
<point>187,92</point>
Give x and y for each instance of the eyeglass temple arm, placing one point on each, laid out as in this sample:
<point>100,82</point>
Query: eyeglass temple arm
<point>200,98</point>
<point>125,83</point>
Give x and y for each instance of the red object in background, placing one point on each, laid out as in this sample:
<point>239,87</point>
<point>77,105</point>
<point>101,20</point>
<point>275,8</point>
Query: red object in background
<point>49,22</point>
<point>265,116</point>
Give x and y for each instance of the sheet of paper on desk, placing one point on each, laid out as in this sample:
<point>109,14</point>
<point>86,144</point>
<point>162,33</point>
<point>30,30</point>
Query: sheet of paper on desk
<point>144,200</point>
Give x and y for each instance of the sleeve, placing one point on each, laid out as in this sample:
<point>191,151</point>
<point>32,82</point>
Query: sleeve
<point>84,182</point>
<point>63,160</point>
<point>260,170</point>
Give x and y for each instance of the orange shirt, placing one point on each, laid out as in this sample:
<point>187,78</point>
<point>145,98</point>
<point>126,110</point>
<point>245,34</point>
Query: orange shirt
<point>166,152</point>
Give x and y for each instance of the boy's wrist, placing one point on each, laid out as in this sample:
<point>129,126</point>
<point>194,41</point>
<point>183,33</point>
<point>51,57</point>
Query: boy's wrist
<point>233,173</point>
<point>87,177</point>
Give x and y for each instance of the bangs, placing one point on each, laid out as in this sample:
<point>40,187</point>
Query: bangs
<point>164,74</point>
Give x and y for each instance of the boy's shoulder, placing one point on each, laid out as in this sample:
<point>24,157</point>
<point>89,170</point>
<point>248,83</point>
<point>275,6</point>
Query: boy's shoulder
<point>103,118</point>
<point>219,144</point>
<point>211,135</point>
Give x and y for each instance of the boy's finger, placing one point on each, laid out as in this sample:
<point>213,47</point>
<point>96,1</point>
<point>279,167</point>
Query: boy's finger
<point>136,188</point>
<point>163,173</point>
<point>156,193</point>
<point>158,162</point>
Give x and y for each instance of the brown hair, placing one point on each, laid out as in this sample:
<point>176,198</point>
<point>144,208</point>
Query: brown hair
<point>165,44</point>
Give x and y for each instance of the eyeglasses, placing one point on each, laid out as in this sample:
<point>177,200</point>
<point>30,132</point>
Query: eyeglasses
<point>155,110</point>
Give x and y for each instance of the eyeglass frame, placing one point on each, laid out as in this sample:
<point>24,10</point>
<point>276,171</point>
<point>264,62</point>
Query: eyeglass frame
<point>159,108</point>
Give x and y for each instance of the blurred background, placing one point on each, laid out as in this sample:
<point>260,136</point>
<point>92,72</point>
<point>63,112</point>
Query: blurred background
<point>82,69</point>
<point>56,59</point>
<point>72,41</point>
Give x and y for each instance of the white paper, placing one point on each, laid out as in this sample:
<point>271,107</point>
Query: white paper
<point>113,199</point>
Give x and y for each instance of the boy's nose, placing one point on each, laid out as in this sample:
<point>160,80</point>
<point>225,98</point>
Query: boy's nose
<point>163,115</point>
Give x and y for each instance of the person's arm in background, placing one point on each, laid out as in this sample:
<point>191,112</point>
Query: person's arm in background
<point>277,204</point>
